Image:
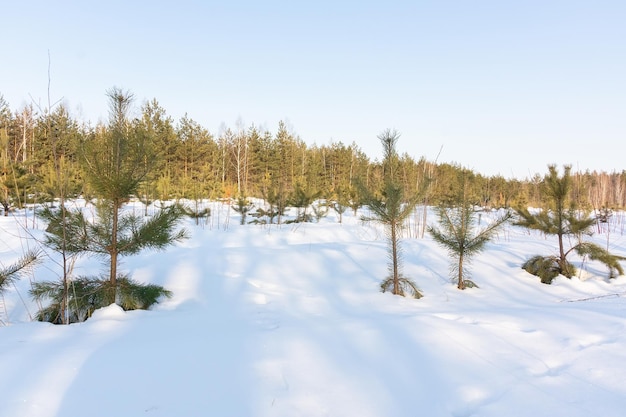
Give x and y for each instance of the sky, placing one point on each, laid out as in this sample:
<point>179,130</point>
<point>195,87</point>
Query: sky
<point>500,87</point>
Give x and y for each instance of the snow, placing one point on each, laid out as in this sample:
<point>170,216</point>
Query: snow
<point>289,321</point>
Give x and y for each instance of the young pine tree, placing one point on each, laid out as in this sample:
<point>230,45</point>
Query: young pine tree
<point>341,202</point>
<point>116,160</point>
<point>458,235</point>
<point>242,206</point>
<point>391,210</point>
<point>302,198</point>
<point>561,218</point>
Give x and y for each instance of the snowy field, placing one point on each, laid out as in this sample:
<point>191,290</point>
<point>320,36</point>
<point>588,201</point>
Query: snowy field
<point>288,321</point>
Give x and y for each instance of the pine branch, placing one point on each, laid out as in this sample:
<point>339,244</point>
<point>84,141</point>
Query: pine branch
<point>13,272</point>
<point>598,253</point>
<point>155,233</point>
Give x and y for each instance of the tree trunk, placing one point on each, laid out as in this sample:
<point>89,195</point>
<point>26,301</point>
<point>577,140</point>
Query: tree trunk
<point>64,302</point>
<point>113,251</point>
<point>562,257</point>
<point>461,284</point>
<point>394,257</point>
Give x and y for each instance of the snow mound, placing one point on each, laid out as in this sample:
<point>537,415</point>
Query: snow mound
<point>111,312</point>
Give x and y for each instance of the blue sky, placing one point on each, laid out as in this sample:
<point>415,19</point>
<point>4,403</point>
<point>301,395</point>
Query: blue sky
<point>501,87</point>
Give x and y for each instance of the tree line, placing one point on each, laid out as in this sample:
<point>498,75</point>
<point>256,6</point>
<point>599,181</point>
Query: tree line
<point>150,158</point>
<point>40,149</point>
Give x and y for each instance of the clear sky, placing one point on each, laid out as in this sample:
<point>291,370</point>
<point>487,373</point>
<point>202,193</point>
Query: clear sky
<point>499,86</point>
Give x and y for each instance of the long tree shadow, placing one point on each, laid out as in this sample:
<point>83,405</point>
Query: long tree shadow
<point>190,356</point>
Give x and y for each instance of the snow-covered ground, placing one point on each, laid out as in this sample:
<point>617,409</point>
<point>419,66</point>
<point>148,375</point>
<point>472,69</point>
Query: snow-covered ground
<point>289,321</point>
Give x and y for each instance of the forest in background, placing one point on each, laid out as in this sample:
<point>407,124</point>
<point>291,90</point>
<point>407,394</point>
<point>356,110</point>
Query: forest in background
<point>40,158</point>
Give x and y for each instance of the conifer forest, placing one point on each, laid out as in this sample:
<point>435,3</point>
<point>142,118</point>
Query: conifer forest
<point>42,157</point>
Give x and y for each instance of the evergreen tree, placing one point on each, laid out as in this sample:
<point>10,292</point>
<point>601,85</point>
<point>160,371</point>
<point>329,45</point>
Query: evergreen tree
<point>60,136</point>
<point>117,159</point>
<point>563,217</point>
<point>302,198</point>
<point>116,162</point>
<point>159,127</point>
<point>243,206</point>
<point>320,210</point>
<point>6,160</point>
<point>459,237</point>
<point>392,209</point>
<point>275,199</point>
<point>341,202</point>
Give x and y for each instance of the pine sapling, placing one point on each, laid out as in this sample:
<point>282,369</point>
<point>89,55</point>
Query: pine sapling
<point>458,234</point>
